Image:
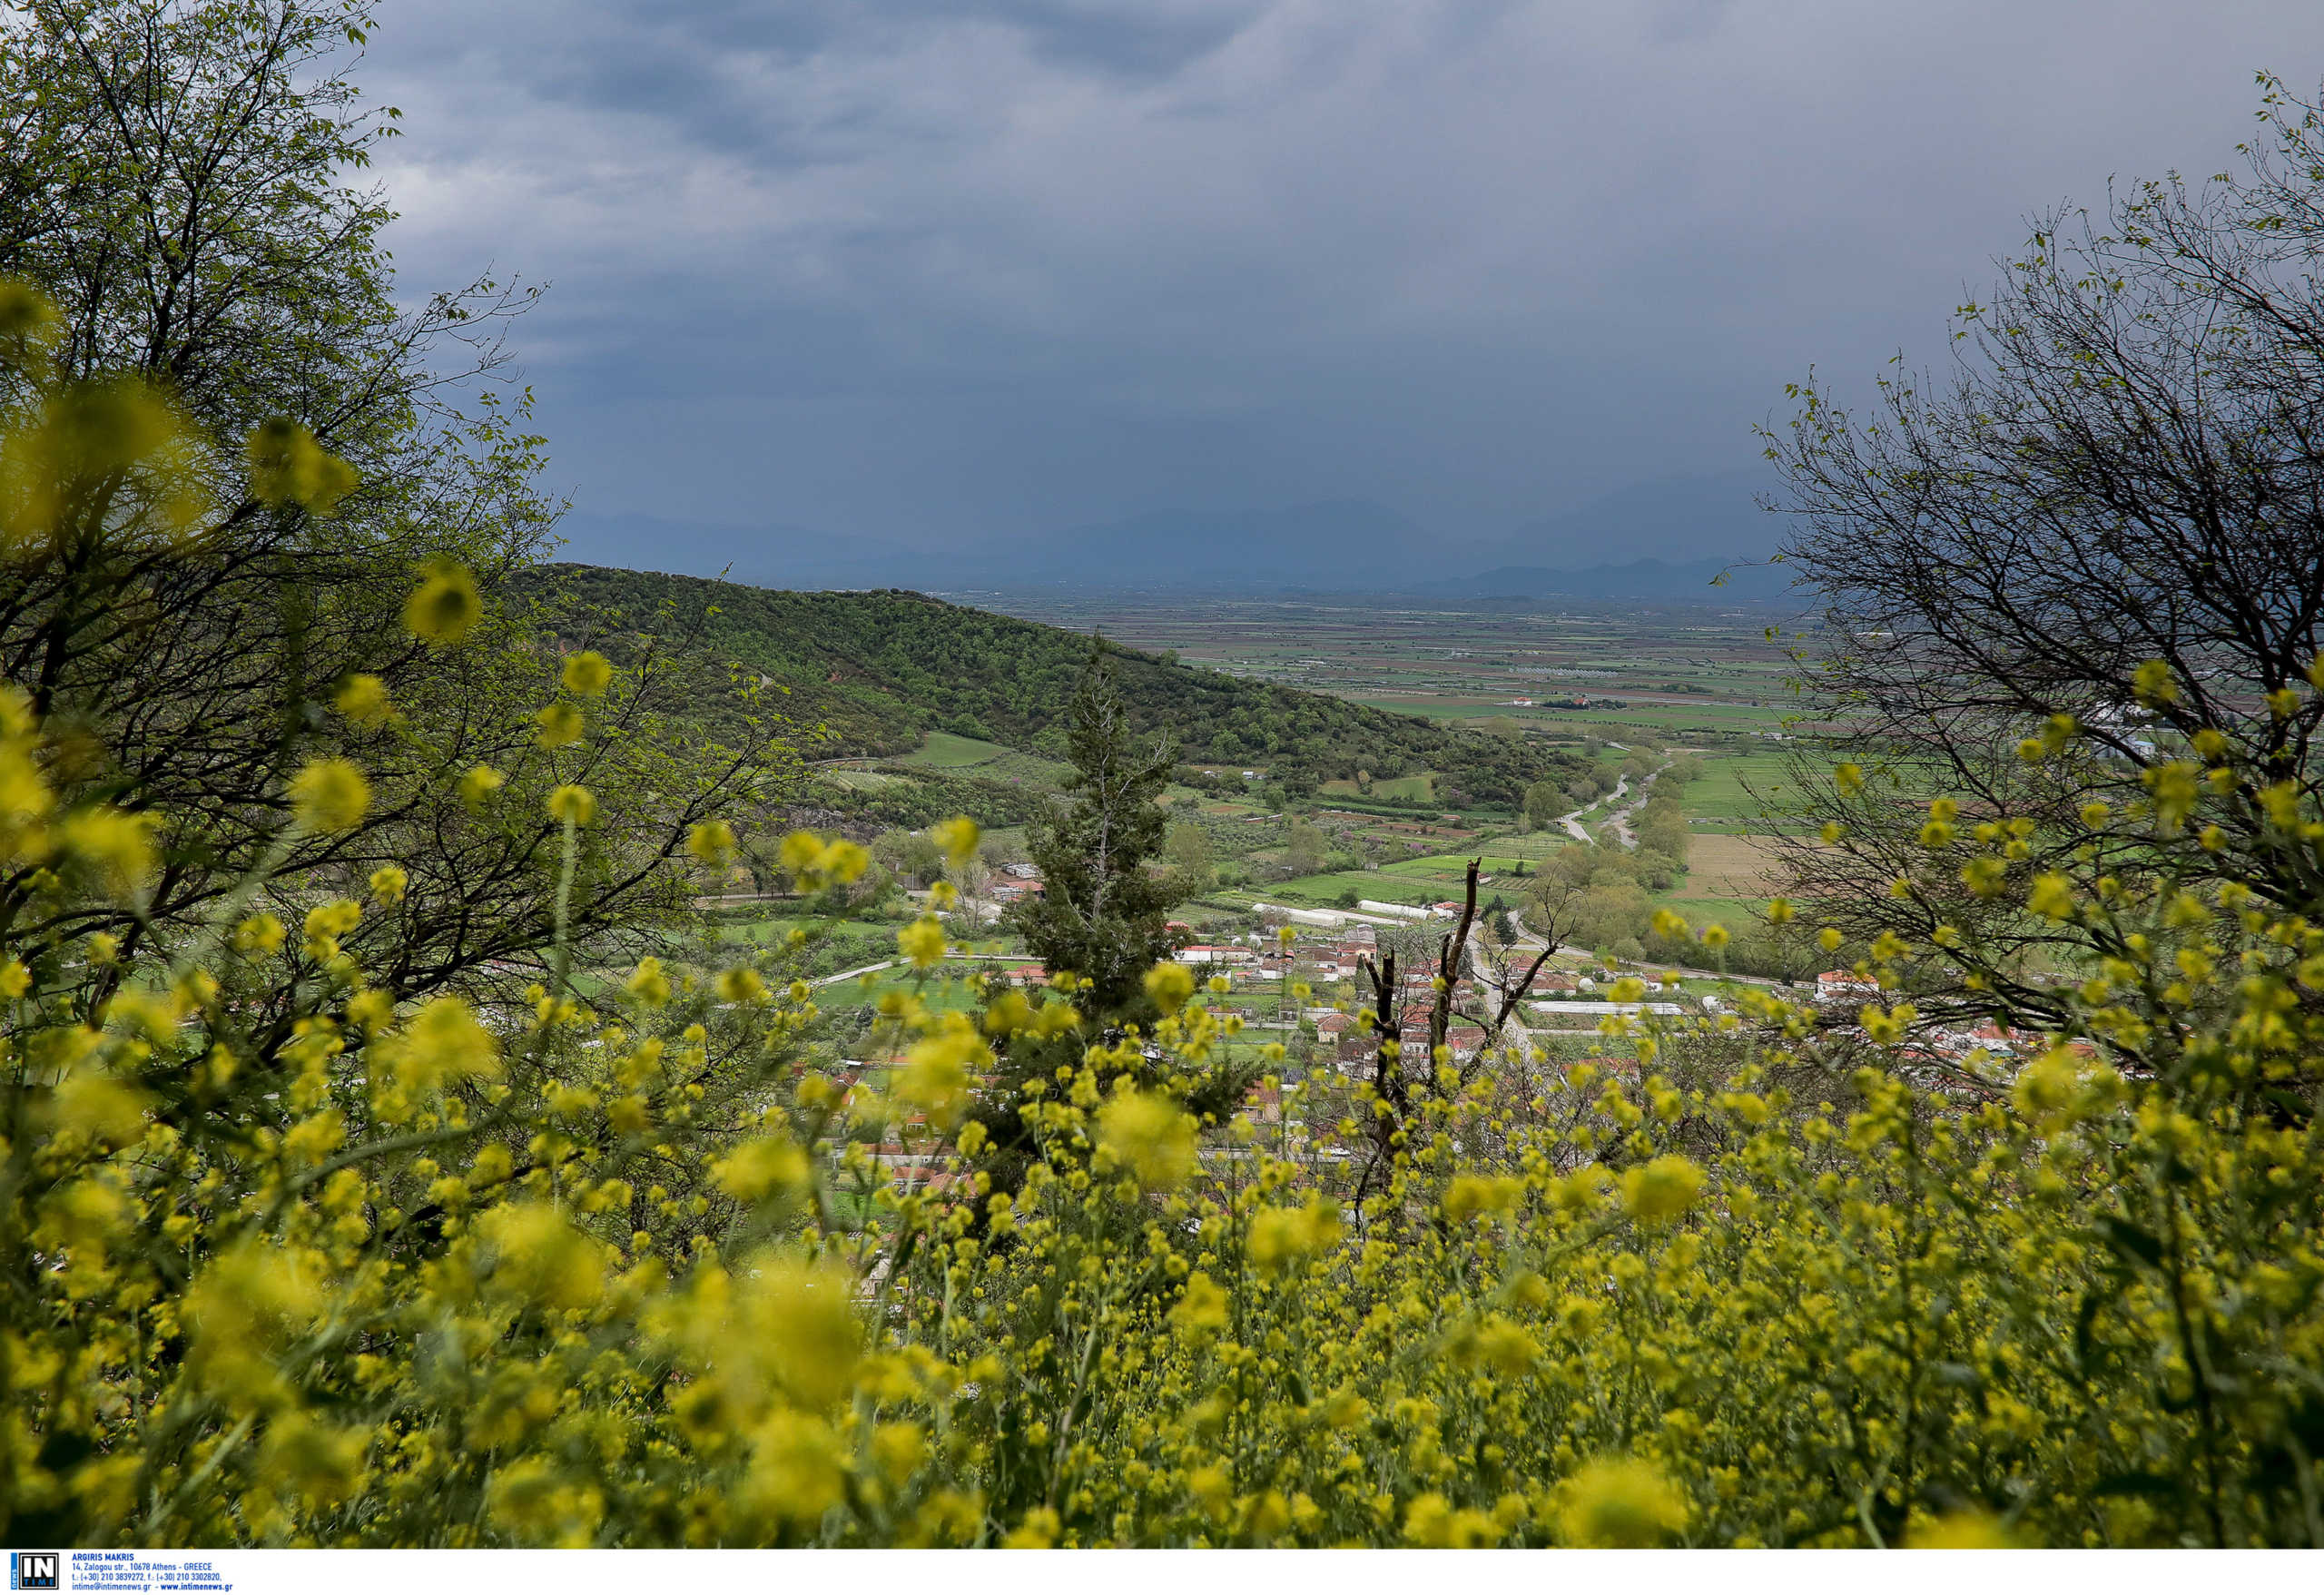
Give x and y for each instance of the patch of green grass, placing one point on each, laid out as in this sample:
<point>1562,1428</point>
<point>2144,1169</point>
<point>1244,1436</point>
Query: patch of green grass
<point>944,751</point>
<point>1493,862</point>
<point>1720,794</point>
<point>1026,768</point>
<point>1699,910</point>
<point>1324,890</point>
<point>863,780</point>
<point>947,994</point>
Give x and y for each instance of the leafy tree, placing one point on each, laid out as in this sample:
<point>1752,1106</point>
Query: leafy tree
<point>912,855</point>
<point>1303,848</point>
<point>208,351</point>
<point>1186,844</point>
<point>1102,914</point>
<point>1545,801</point>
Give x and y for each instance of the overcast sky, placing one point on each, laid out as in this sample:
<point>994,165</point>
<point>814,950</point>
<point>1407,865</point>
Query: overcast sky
<point>937,270</point>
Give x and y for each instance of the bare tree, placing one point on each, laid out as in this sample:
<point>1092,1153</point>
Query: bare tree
<point>2086,568</point>
<point>1391,1078</point>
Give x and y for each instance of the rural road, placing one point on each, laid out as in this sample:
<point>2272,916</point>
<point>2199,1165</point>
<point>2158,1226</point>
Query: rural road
<point>1572,822</point>
<point>891,963</point>
<point>1620,817</point>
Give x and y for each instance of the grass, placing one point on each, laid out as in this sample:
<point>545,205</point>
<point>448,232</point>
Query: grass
<point>773,928</point>
<point>943,751</point>
<point>948,993</point>
<point>863,780</point>
<point>1742,868</point>
<point>1493,865</point>
<point>1733,912</point>
<point>1721,795</point>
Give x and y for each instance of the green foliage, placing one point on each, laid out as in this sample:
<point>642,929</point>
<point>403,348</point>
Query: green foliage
<point>1545,801</point>
<point>1101,914</point>
<point>313,1232</point>
<point>880,670</point>
<point>1186,844</point>
<point>296,1256</point>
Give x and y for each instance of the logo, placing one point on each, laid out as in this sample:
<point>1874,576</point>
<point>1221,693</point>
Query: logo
<point>34,1570</point>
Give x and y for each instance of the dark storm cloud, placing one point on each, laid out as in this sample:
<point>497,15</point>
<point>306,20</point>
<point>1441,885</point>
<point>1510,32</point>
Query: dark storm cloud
<point>926,271</point>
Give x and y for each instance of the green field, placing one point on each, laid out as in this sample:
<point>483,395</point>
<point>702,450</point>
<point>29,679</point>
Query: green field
<point>969,755</point>
<point>741,926</point>
<point>1720,794</point>
<point>943,751</point>
<point>860,779</point>
<point>1701,910</point>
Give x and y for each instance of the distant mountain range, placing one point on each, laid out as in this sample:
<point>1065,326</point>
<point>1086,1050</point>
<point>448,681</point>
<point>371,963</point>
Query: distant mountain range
<point>1709,581</point>
<point>1658,539</point>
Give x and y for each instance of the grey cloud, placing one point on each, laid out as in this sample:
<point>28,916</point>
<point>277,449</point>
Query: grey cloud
<point>928,271</point>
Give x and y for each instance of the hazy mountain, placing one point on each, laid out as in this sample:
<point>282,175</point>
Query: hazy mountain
<point>1343,545</point>
<point>1693,581</point>
<point>1677,518</point>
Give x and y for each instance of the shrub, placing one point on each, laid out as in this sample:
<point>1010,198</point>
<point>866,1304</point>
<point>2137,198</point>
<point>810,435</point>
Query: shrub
<point>301,1250</point>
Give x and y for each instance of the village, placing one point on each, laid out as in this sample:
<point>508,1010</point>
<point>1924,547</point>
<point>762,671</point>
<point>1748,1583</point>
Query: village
<point>1307,979</point>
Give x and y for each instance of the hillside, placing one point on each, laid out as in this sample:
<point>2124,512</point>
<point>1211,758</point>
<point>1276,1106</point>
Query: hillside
<point>881,670</point>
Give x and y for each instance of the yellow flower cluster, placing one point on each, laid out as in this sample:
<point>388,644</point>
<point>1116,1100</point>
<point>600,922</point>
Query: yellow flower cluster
<point>311,1246</point>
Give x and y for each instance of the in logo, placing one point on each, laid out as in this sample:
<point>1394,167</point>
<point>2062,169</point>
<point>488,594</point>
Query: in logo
<point>34,1570</point>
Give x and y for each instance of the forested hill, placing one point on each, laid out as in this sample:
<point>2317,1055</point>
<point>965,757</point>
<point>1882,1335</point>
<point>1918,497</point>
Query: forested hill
<point>880,669</point>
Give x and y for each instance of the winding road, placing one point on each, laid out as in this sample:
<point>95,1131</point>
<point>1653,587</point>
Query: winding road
<point>1619,818</point>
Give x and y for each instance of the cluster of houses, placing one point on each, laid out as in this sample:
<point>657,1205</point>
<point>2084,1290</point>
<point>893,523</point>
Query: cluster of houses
<point>1954,1045</point>
<point>1353,1043</point>
<point>1012,881</point>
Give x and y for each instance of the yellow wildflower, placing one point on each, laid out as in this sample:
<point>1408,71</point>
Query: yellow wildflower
<point>711,842</point>
<point>561,725</point>
<point>959,838</point>
<point>573,806</point>
<point>1620,1504</point>
<point>477,786</point>
<point>329,796</point>
<point>921,941</point>
<point>1662,1189</point>
<point>446,606</point>
<point>1149,1136</point>
<point>588,674</point>
<point>363,700</point>
<point>1169,985</point>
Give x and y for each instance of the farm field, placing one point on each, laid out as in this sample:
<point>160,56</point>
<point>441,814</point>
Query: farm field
<point>1610,681</point>
<point>1735,792</point>
<point>1677,670</point>
<point>964,755</point>
<point>941,749</point>
<point>1738,869</point>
